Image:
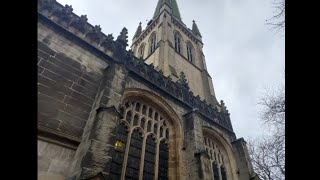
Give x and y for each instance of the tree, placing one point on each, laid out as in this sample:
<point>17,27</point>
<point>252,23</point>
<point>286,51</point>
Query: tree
<point>277,21</point>
<point>268,153</point>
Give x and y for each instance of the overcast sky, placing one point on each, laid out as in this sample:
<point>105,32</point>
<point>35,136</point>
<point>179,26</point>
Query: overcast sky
<point>244,57</point>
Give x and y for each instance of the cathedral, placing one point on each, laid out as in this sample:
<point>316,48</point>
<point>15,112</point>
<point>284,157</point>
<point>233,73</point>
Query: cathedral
<point>148,113</point>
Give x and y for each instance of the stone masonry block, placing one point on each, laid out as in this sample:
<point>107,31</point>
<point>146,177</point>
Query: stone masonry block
<point>70,129</point>
<point>77,112</point>
<point>64,66</point>
<point>40,70</point>
<point>74,102</point>
<point>46,49</point>
<point>43,55</point>
<point>47,121</point>
<point>74,121</point>
<point>57,70</point>
<point>88,85</point>
<point>43,163</point>
<point>85,91</point>
<point>52,151</point>
<point>57,78</point>
<point>67,155</point>
<point>50,92</point>
<point>92,77</point>
<point>82,98</point>
<point>69,61</point>
<point>59,167</point>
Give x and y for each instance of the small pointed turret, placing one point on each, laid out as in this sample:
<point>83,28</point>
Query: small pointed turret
<point>195,29</point>
<point>122,38</point>
<point>138,32</point>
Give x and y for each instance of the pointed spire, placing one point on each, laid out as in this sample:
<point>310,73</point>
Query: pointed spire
<point>195,29</point>
<point>138,32</point>
<point>172,4</point>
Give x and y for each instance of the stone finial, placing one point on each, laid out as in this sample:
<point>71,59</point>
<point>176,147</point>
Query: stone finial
<point>223,107</point>
<point>122,38</point>
<point>130,52</point>
<point>110,37</point>
<point>222,103</point>
<point>139,30</point>
<point>49,2</point>
<point>123,35</point>
<point>68,8</point>
<point>97,28</point>
<point>182,78</point>
<point>195,28</point>
<point>83,18</point>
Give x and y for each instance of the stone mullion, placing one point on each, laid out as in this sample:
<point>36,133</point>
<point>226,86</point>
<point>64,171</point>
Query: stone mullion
<point>158,144</point>
<point>133,113</point>
<point>142,157</point>
<point>140,115</point>
<point>219,170</point>
<point>125,158</point>
<point>156,166</point>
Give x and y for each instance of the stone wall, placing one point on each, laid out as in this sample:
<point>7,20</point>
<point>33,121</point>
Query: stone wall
<point>53,160</point>
<point>67,83</point>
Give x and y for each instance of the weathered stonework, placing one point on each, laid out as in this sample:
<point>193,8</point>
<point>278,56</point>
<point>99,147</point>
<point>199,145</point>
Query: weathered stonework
<point>85,81</point>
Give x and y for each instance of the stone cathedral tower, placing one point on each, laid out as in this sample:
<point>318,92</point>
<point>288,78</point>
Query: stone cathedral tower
<point>173,48</point>
<point>149,113</point>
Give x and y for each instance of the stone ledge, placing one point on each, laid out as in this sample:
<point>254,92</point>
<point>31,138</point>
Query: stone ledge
<point>57,137</point>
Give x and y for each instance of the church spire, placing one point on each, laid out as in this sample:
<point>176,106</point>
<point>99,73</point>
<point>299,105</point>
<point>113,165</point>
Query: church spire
<point>195,29</point>
<point>138,32</point>
<point>172,5</point>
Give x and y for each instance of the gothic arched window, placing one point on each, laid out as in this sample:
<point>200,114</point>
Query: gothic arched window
<point>152,42</point>
<point>217,154</point>
<point>190,52</point>
<point>145,132</point>
<point>141,51</point>
<point>215,171</point>
<point>177,42</point>
<point>223,173</point>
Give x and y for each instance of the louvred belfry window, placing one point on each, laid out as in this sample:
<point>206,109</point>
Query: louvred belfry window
<point>153,42</point>
<point>190,52</point>
<point>177,42</point>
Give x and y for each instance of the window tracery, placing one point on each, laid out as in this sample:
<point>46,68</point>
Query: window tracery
<point>145,132</point>
<point>216,157</point>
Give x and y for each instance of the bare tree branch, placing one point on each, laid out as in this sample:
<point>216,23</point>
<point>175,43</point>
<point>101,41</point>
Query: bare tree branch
<point>268,153</point>
<point>277,21</point>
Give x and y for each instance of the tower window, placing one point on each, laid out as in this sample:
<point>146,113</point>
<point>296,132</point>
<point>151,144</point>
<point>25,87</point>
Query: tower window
<point>177,42</point>
<point>152,42</point>
<point>141,51</point>
<point>190,52</point>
